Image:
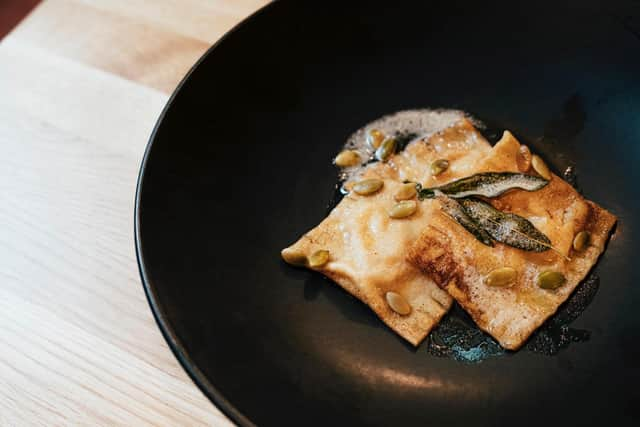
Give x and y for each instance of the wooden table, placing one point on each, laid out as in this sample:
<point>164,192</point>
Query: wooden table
<point>82,83</point>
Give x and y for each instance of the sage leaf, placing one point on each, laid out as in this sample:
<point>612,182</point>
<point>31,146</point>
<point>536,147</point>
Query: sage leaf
<point>425,193</point>
<point>453,208</point>
<point>486,184</point>
<point>507,228</point>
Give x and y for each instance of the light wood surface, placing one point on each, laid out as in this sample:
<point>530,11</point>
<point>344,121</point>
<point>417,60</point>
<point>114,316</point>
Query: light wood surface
<point>82,83</point>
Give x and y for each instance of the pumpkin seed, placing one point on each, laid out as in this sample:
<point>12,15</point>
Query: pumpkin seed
<point>405,192</point>
<point>523,158</point>
<point>375,138</point>
<point>386,149</point>
<point>551,279</point>
<point>398,303</point>
<point>293,257</point>
<point>318,258</point>
<point>439,166</point>
<point>501,277</point>
<point>347,158</point>
<point>540,167</point>
<point>582,240</point>
<point>368,186</point>
<point>403,209</point>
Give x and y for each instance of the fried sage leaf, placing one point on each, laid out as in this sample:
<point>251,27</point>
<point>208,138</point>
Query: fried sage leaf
<point>507,228</point>
<point>486,184</point>
<point>453,208</point>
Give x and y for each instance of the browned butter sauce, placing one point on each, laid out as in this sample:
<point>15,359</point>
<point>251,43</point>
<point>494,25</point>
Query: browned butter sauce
<point>404,126</point>
<point>456,336</point>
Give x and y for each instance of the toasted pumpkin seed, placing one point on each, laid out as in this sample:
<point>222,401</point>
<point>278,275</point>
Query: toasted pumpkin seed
<point>405,192</point>
<point>523,158</point>
<point>347,158</point>
<point>551,279</point>
<point>375,138</point>
<point>368,186</point>
<point>386,149</point>
<point>403,209</point>
<point>398,303</point>
<point>501,277</point>
<point>582,240</point>
<point>439,166</point>
<point>294,257</point>
<point>540,167</point>
<point>318,258</point>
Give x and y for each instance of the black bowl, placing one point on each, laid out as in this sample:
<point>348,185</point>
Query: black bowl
<point>239,165</point>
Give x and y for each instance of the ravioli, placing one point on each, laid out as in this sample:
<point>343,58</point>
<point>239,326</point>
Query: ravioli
<point>368,248</point>
<point>459,264</point>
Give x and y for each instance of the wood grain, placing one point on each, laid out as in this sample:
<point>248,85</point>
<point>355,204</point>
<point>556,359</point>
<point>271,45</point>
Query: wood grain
<point>82,85</point>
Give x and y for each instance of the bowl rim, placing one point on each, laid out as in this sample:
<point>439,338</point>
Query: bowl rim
<point>159,314</point>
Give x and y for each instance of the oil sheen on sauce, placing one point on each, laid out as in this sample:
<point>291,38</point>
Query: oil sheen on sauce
<point>405,126</point>
<point>456,336</point>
